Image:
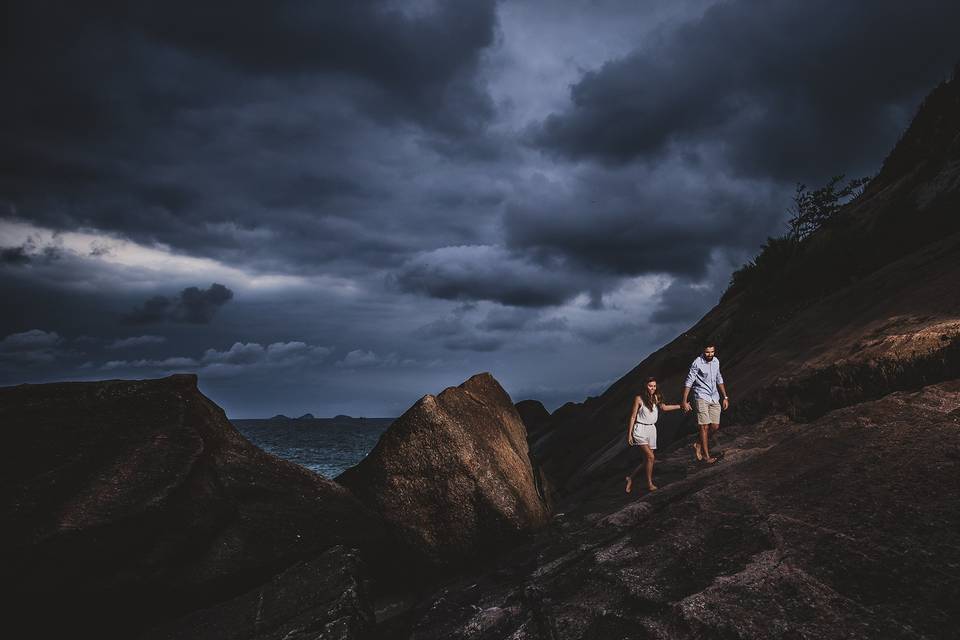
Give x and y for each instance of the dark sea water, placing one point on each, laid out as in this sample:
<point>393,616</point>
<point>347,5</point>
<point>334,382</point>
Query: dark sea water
<point>324,446</point>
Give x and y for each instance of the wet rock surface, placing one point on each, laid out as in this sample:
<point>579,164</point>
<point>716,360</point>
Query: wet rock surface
<point>452,475</point>
<point>844,527</point>
<point>319,598</point>
<point>125,503</point>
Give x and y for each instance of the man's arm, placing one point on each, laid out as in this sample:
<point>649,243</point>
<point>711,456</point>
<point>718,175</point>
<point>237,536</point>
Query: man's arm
<point>691,376</point>
<point>723,395</point>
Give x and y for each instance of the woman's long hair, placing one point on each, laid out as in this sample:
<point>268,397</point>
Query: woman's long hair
<point>650,400</point>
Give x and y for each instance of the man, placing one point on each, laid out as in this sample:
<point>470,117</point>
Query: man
<point>705,380</point>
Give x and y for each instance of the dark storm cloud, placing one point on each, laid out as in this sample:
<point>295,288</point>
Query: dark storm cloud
<point>357,172</point>
<point>215,128</point>
<point>191,306</point>
<point>32,348</point>
<point>683,301</point>
<point>614,224</point>
<point>14,255</point>
<point>475,342</point>
<point>398,63</point>
<point>588,231</point>
<point>790,90</point>
<point>491,273</point>
<point>30,251</point>
<point>136,341</point>
<point>415,61</point>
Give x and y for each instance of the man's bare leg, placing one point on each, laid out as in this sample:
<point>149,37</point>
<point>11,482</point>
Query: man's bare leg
<point>704,445</point>
<point>714,429</point>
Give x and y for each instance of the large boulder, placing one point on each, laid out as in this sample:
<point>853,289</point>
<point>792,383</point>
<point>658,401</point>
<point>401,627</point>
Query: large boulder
<point>452,475</point>
<point>126,503</point>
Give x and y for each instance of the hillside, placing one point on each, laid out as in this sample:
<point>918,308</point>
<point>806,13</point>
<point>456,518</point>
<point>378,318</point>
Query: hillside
<point>868,306</point>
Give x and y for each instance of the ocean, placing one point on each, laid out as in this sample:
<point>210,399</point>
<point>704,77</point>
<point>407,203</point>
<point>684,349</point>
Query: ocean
<point>326,446</point>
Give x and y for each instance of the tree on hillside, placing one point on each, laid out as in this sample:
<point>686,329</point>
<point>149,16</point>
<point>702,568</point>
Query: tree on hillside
<point>812,209</point>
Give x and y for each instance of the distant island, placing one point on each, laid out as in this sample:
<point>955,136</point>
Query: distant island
<point>309,420</point>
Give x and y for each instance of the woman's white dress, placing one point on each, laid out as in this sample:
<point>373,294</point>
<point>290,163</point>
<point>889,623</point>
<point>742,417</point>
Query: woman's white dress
<point>645,426</point>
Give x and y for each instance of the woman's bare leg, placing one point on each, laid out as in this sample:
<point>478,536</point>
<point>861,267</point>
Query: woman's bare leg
<point>633,474</point>
<point>648,452</point>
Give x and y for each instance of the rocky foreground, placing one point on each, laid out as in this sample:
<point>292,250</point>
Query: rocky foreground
<point>128,503</point>
<point>134,508</point>
<point>844,527</point>
<point>167,524</point>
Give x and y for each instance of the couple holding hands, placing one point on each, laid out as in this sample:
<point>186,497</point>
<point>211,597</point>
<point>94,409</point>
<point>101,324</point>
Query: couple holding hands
<point>709,395</point>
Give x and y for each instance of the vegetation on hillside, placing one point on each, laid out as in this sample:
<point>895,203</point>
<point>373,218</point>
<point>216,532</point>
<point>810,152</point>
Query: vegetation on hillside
<point>811,211</point>
<point>823,251</point>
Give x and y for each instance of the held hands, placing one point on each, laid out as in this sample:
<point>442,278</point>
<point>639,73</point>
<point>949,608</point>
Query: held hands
<point>686,407</point>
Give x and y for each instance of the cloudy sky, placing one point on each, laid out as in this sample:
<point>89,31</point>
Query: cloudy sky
<point>338,207</point>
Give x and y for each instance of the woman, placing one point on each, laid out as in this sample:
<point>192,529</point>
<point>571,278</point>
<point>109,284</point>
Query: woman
<point>642,428</point>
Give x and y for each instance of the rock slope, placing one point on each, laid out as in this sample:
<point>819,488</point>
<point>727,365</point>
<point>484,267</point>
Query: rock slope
<point>323,597</point>
<point>452,475</point>
<point>125,503</point>
<point>868,307</point>
<point>844,527</point>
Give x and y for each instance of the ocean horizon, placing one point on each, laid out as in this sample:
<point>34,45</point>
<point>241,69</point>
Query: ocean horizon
<point>327,446</point>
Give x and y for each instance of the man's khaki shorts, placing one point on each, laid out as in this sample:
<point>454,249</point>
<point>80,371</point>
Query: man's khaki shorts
<point>708,412</point>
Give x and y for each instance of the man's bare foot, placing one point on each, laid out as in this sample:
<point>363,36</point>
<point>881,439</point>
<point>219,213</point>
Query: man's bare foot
<point>698,450</point>
<point>629,484</point>
<point>652,487</point>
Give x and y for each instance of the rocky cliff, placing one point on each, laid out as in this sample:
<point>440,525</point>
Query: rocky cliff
<point>126,503</point>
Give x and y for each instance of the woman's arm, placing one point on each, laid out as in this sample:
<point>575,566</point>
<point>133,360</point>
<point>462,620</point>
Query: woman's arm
<point>670,407</point>
<point>633,418</point>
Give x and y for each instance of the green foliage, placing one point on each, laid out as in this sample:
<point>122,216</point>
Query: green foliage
<point>813,209</point>
<point>761,272</point>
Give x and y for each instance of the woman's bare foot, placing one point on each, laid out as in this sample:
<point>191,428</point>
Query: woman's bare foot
<point>652,487</point>
<point>710,460</point>
<point>629,484</point>
<point>698,450</point>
